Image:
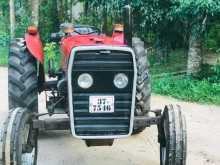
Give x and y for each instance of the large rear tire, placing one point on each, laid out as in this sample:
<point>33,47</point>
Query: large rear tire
<point>143,94</point>
<point>172,137</point>
<point>22,77</point>
<point>19,139</point>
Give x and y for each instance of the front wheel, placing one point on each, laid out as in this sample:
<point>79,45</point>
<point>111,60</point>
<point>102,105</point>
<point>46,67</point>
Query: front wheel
<point>19,139</point>
<point>172,137</point>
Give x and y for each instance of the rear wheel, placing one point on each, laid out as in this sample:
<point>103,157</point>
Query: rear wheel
<point>19,139</point>
<point>143,93</point>
<point>172,137</point>
<point>22,77</point>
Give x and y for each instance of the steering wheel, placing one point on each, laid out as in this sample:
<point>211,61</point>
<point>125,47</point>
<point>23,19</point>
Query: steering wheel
<point>86,30</point>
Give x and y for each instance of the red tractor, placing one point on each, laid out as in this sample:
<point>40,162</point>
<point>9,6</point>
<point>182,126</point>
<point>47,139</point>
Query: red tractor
<point>102,86</point>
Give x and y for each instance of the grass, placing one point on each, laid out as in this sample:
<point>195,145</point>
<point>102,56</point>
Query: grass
<point>3,56</point>
<point>177,61</point>
<point>183,87</point>
<point>187,89</point>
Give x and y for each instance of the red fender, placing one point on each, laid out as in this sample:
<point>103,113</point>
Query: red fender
<point>34,45</point>
<point>118,37</point>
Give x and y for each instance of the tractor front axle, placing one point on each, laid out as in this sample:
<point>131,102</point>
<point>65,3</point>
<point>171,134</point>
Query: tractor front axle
<point>64,123</point>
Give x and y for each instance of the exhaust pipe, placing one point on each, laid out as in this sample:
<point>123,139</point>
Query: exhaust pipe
<point>127,17</point>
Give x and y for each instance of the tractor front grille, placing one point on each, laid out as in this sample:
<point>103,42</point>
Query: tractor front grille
<point>87,124</point>
<point>103,65</point>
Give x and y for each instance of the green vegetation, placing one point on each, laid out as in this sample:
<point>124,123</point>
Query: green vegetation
<point>187,89</point>
<point>204,89</point>
<point>213,38</point>
<point>3,56</point>
<point>52,53</point>
<point>177,61</point>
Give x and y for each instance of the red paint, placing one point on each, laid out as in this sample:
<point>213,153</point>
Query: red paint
<point>118,37</point>
<point>68,43</point>
<point>35,47</point>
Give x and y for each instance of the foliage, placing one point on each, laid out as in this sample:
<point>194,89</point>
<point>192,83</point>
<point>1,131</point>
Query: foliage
<point>111,7</point>
<point>50,49</point>
<point>21,26</point>
<point>91,19</point>
<point>212,41</point>
<point>195,14</point>
<point>4,39</point>
<point>4,35</point>
<point>52,53</point>
<point>177,61</point>
<point>3,56</point>
<point>216,70</point>
<point>49,19</point>
<point>187,89</point>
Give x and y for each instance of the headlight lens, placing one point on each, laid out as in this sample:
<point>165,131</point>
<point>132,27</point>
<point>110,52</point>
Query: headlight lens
<point>121,80</point>
<point>85,81</point>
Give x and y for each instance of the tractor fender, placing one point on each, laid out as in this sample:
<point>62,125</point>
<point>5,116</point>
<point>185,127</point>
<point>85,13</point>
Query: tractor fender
<point>118,37</point>
<point>35,47</point>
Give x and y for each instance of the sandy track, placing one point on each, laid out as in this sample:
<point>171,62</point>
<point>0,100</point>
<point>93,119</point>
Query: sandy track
<point>59,148</point>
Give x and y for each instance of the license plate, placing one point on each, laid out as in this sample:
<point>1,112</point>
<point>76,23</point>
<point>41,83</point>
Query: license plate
<point>101,104</point>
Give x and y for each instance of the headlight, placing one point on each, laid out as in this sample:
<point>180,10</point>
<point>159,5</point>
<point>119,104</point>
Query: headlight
<point>121,80</point>
<point>85,81</point>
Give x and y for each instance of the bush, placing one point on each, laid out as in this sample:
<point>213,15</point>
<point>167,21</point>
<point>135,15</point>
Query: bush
<point>52,53</point>
<point>3,56</point>
<point>177,61</point>
<point>187,89</point>
<point>216,76</point>
<point>4,39</point>
<point>212,40</point>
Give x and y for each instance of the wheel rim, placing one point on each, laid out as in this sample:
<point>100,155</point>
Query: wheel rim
<point>27,157</point>
<point>163,155</point>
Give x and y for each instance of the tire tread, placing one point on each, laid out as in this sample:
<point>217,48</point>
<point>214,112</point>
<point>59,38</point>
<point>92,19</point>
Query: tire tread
<point>143,94</point>
<point>22,78</point>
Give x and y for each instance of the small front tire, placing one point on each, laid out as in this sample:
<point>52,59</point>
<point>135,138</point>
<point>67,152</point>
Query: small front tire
<point>172,137</point>
<point>19,139</point>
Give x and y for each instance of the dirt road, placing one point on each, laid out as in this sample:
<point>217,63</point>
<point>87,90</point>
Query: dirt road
<point>59,148</point>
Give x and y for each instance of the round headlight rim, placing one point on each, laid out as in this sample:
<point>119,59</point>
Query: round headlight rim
<point>79,80</point>
<point>121,75</point>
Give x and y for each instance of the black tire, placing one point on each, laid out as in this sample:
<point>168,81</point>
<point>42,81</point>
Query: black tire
<point>1,145</point>
<point>22,77</point>
<point>143,94</point>
<point>19,140</point>
<point>173,137</point>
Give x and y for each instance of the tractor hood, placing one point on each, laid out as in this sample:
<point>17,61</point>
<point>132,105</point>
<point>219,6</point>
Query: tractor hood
<point>68,43</point>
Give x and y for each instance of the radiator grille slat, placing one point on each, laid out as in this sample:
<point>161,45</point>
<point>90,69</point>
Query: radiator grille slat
<point>103,67</point>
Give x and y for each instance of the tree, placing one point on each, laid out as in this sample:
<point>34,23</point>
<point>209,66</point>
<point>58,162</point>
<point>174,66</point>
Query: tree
<point>148,16</point>
<point>12,18</point>
<point>195,14</point>
<point>154,16</point>
<point>35,12</point>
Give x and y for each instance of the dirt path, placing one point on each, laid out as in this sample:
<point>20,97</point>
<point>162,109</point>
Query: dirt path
<point>59,148</point>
